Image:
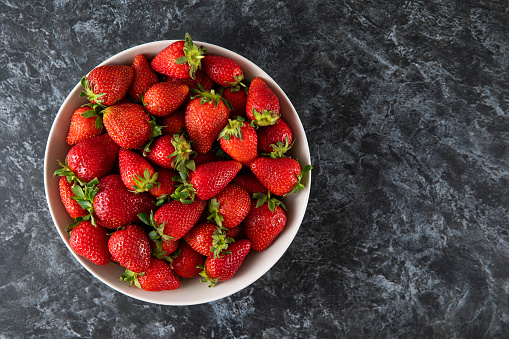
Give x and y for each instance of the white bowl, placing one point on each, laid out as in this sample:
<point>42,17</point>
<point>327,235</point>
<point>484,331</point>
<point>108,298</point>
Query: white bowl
<point>191,291</point>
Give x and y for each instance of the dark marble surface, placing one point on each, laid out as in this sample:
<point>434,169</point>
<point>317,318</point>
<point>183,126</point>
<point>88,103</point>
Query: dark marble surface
<point>405,105</point>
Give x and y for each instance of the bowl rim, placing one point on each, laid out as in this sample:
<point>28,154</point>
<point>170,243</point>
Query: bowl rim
<point>133,292</point>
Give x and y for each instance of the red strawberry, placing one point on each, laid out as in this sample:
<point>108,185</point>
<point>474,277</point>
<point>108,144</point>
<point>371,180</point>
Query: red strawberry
<point>205,117</point>
<point>136,172</point>
<point>239,140</point>
<point>91,242</point>
<point>128,125</point>
<point>71,205</point>
<point>173,123</point>
<point>222,70</point>
<point>90,158</point>
<point>164,98</point>
<point>180,59</point>
<point>236,233</point>
<point>130,247</point>
<point>143,77</point>
<point>281,176</point>
<point>274,138</point>
<point>202,158</point>
<point>174,219</point>
<point>83,126</point>
<point>200,238</point>
<point>157,277</point>
<point>262,104</point>
<point>185,264</point>
<point>210,178</point>
<point>237,97</point>
<point>162,249</point>
<point>172,152</point>
<point>264,222</point>
<point>250,183</point>
<point>107,84</point>
<point>115,206</point>
<point>223,268</point>
<point>230,206</point>
<point>166,184</point>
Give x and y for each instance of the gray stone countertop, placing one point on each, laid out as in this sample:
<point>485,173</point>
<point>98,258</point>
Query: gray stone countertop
<point>405,106</point>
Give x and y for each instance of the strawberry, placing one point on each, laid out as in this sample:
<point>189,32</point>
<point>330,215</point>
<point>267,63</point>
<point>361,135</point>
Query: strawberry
<point>143,77</point>
<point>71,205</point>
<point>130,247</point>
<point>262,104</point>
<point>157,277</point>
<point>201,79</point>
<point>206,116</point>
<point>162,249</point>
<point>237,97</point>
<point>115,206</point>
<point>230,206</point>
<point>280,176</point>
<point>180,59</point>
<point>208,239</point>
<point>210,156</point>
<point>85,123</point>
<point>224,268</point>
<point>107,84</point>
<point>222,70</point>
<point>210,178</point>
<point>250,183</point>
<point>136,172</point>
<point>166,184</point>
<point>186,262</point>
<point>128,125</point>
<point>90,158</point>
<point>264,222</point>
<point>239,140</point>
<point>173,123</point>
<point>236,233</point>
<point>90,242</point>
<point>164,98</point>
<point>275,138</point>
<point>172,152</point>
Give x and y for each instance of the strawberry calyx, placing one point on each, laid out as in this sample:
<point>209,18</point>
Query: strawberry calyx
<point>182,154</point>
<point>279,149</point>
<point>155,131</point>
<point>65,171</point>
<point>131,277</point>
<point>94,98</point>
<point>158,251</point>
<point>219,239</point>
<point>158,230</point>
<point>145,183</point>
<point>237,83</point>
<point>271,202</point>
<point>84,196</point>
<point>209,96</point>
<point>185,192</point>
<point>206,278</point>
<point>232,129</point>
<point>264,118</point>
<point>192,55</point>
<point>299,186</point>
<point>96,111</point>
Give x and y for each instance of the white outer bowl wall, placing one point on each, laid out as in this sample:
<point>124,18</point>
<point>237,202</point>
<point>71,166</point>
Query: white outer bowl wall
<point>192,291</point>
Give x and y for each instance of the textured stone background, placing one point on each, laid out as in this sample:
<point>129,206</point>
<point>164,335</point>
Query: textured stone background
<point>405,104</point>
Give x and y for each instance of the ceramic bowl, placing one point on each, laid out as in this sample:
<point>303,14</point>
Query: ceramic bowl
<point>192,291</point>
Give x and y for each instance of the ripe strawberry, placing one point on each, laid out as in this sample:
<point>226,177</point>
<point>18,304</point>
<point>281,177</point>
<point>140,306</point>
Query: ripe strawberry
<point>230,206</point>
<point>222,70</point>
<point>90,242</point>
<point>173,123</point>
<point>83,125</point>
<point>237,97</point>
<point>143,77</point>
<point>128,125</point>
<point>172,152</point>
<point>250,183</point>
<point>164,98</point>
<point>281,176</point>
<point>130,247</point>
<point>71,205</point>
<point>224,268</point>
<point>185,264</point>
<point>208,239</point>
<point>210,178</point>
<point>174,219</point>
<point>166,184</point>
<point>136,172</point>
<point>90,158</point>
<point>205,117</point>
<point>236,233</point>
<point>163,249</point>
<point>262,104</point>
<point>107,84</point>
<point>157,277</point>
<point>115,206</point>
<point>264,222</point>
<point>239,140</point>
<point>180,59</point>
<point>275,138</point>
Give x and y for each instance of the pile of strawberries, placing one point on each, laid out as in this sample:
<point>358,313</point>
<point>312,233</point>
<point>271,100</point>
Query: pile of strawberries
<point>175,167</point>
